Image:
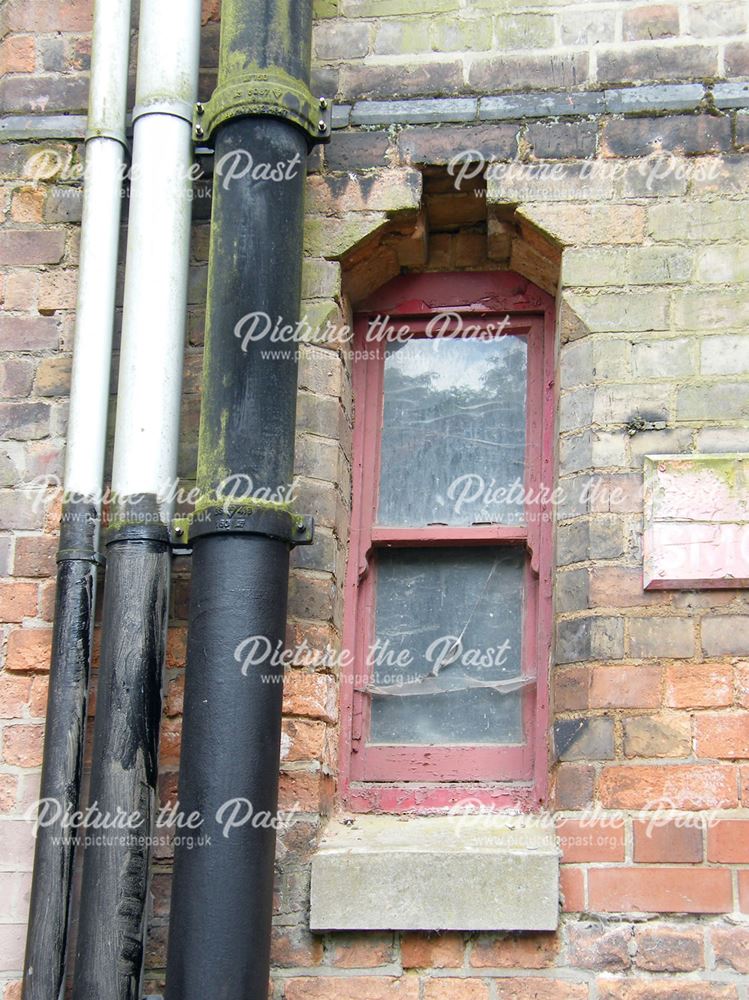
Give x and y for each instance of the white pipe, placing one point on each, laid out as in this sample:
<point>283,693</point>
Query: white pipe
<point>153,330</point>
<point>100,233</point>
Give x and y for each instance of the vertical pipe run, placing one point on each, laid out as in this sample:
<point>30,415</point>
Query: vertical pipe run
<point>44,964</point>
<point>220,923</point>
<point>109,959</point>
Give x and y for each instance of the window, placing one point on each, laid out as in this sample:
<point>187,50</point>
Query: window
<point>448,611</point>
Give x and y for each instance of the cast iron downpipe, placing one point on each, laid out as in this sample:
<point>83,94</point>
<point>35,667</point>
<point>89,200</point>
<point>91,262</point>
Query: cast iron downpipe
<point>113,907</point>
<point>220,924</point>
<point>106,152</point>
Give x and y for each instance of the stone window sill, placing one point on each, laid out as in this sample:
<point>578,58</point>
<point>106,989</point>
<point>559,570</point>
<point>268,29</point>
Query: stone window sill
<point>436,873</point>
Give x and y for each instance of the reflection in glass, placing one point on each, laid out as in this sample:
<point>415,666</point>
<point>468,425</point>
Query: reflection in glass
<point>447,646</point>
<point>453,435</point>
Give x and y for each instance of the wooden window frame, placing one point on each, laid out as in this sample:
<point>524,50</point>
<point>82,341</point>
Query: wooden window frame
<point>396,778</point>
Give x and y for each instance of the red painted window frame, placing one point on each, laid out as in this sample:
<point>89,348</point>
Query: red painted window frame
<point>374,778</point>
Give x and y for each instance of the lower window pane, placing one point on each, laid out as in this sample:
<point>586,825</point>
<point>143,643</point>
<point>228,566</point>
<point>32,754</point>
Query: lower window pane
<point>448,635</point>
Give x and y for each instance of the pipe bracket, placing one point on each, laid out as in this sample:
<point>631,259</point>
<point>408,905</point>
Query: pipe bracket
<point>270,521</point>
<point>269,92</point>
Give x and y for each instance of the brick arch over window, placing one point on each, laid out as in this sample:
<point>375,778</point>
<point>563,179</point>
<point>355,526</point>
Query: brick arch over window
<point>496,311</point>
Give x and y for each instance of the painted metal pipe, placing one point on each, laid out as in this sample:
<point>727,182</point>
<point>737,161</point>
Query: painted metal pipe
<point>105,159</point>
<point>220,923</point>
<point>112,925</point>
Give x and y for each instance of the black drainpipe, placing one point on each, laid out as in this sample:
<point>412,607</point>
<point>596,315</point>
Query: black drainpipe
<point>44,965</point>
<point>220,924</point>
<point>111,925</point>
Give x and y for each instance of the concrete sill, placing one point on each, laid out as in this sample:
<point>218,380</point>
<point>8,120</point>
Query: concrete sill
<point>436,873</point>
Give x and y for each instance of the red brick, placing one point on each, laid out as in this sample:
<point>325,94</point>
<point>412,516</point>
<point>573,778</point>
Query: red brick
<point>625,687</point>
<point>13,990</point>
<point>596,946</point>
<point>455,989</point>
<point>309,694</point>
<point>17,54</point>
<point>535,988</point>
<point>742,684</point>
<point>355,951</point>
<point>744,890</point>
<point>432,951</point>
<point>16,377</point>
<point>658,21</point>
<point>17,601</point>
<point>20,290</point>
<point>669,949</point>
<point>294,947</point>
<point>39,692</point>
<point>571,689</point>
<point>517,951</point>
<point>302,740</point>
<point>175,696</point>
<point>722,734</point>
<point>662,989</point>
<point>357,150</point>
<point>652,736</point>
<point>574,786</point>
<point>685,786</point>
<point>621,587</point>
<point>29,649</point>
<point>8,792</point>
<point>391,80</point>
<point>591,841</point>
<point>731,948</point>
<point>672,842</point>
<point>169,742</point>
<point>35,555</point>
<point>58,290</point>
<point>572,888</point>
<point>46,610</point>
<point>210,11</point>
<point>706,685</point>
<point>49,15</point>
<point>24,333</point>
<point>15,691</point>
<point>176,647</point>
<point>33,246</point>
<point>53,374</point>
<point>660,890</point>
<point>360,987</point>
<point>24,421</point>
<point>634,63</point>
<point>303,790</point>
<point>728,841</point>
<point>28,205</point>
<point>22,745</point>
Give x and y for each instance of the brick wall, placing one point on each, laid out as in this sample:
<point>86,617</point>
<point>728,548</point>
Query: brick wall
<point>650,690</point>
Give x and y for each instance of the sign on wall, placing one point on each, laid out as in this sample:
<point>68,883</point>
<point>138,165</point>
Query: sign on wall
<point>696,521</point>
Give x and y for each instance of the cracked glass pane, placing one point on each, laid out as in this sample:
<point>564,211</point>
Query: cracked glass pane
<point>446,661</point>
<point>453,434</point>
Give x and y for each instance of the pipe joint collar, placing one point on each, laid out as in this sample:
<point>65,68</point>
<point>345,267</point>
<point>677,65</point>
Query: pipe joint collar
<point>104,132</point>
<point>251,519</point>
<point>78,532</point>
<point>136,531</point>
<point>173,106</point>
<point>268,92</point>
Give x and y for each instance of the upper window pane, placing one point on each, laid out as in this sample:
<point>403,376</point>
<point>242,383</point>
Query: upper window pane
<point>453,434</point>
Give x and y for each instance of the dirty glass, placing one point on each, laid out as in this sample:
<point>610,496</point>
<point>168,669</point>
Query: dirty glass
<point>453,434</point>
<point>446,660</point>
